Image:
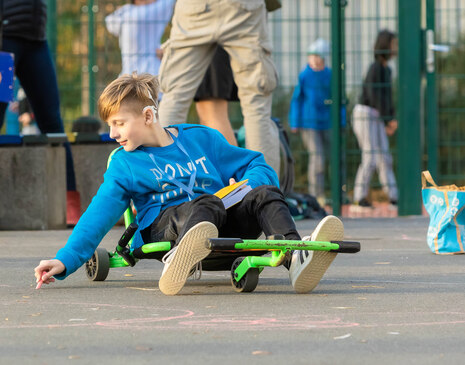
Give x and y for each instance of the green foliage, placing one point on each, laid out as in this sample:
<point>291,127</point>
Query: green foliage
<point>73,57</point>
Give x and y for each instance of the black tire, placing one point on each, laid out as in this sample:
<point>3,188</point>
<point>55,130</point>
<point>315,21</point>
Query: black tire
<point>98,267</point>
<point>249,281</point>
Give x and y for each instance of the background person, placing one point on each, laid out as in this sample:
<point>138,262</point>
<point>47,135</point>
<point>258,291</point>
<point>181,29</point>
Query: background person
<point>139,27</point>
<point>374,120</point>
<point>24,24</point>
<point>310,115</point>
<point>240,27</point>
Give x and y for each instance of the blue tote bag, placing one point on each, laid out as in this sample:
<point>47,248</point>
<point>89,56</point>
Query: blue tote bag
<point>445,206</point>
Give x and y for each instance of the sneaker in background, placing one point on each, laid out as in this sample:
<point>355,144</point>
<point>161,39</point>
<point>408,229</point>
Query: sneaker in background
<point>392,204</point>
<point>308,267</point>
<point>363,205</point>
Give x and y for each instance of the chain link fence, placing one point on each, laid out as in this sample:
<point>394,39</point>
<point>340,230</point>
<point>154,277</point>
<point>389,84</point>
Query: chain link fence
<point>88,58</point>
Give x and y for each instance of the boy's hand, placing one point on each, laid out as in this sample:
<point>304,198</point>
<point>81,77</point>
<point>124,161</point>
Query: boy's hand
<point>48,268</point>
<point>232,181</point>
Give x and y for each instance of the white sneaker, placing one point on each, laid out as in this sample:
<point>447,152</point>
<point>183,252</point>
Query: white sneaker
<point>308,267</point>
<point>181,259</point>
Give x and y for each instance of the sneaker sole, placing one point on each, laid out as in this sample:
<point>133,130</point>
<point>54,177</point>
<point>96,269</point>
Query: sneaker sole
<point>191,250</point>
<point>329,229</point>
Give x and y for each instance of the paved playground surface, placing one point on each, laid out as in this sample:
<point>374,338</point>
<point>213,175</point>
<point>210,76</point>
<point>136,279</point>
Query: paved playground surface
<point>393,302</point>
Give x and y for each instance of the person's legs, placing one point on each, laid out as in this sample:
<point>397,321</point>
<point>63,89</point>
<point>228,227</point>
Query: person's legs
<point>366,136</point>
<point>3,107</point>
<point>36,73</point>
<point>325,137</point>
<point>244,35</point>
<point>190,224</point>
<point>313,140</point>
<point>262,209</point>
<point>175,221</point>
<point>187,55</point>
<point>213,113</point>
<point>384,164</point>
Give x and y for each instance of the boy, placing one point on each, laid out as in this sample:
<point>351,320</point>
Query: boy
<point>310,114</point>
<point>170,175</point>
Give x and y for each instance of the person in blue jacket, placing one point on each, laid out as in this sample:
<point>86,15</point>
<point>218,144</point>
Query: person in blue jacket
<point>171,174</point>
<point>310,114</point>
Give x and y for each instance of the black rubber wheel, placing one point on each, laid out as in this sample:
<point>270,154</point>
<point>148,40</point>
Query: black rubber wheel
<point>98,267</point>
<point>249,281</point>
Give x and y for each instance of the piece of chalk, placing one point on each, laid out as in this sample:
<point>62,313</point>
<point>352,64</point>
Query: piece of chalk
<point>40,282</point>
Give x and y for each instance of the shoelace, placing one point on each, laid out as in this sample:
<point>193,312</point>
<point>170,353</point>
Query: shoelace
<point>197,269</point>
<point>167,256</point>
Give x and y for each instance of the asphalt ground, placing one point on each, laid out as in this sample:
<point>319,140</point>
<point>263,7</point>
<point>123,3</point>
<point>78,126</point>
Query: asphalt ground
<point>393,302</point>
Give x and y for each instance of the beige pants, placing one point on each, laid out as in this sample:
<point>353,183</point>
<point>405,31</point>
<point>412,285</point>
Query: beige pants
<point>240,27</point>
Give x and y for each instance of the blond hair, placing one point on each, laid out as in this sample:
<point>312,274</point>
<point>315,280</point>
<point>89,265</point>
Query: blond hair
<point>136,91</point>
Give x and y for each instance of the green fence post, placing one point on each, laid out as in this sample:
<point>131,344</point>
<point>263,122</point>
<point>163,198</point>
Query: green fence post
<point>91,56</point>
<point>52,27</point>
<point>409,80</point>
<point>336,87</point>
<point>343,134</point>
<point>431,94</point>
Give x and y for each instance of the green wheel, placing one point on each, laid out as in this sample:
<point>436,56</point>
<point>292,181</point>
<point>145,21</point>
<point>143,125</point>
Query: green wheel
<point>248,282</point>
<point>98,267</point>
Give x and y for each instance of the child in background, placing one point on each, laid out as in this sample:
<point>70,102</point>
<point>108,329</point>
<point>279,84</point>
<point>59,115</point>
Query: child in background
<point>310,114</point>
<point>171,175</point>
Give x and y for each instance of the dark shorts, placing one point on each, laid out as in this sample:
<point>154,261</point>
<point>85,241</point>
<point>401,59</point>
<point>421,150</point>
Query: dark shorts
<point>218,82</point>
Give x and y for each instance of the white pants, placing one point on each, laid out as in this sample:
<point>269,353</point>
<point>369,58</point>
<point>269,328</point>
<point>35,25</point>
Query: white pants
<point>372,139</point>
<point>240,27</point>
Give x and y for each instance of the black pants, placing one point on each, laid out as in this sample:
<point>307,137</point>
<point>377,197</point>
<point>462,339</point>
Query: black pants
<point>36,72</point>
<point>262,210</point>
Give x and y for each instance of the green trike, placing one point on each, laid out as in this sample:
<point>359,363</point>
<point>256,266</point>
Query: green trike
<point>243,257</point>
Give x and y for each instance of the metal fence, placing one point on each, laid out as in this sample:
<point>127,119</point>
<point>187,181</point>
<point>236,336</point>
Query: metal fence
<point>450,81</point>
<point>88,57</point>
<point>297,25</point>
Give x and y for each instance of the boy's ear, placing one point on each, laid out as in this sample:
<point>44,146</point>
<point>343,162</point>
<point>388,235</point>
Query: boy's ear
<point>150,114</point>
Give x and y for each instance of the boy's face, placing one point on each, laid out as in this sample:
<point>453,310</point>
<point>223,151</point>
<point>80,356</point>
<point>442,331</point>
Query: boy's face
<point>128,127</point>
<point>316,62</point>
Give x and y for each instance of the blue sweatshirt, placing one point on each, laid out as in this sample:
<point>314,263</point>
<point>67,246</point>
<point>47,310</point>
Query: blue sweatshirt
<point>308,108</point>
<point>135,175</point>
